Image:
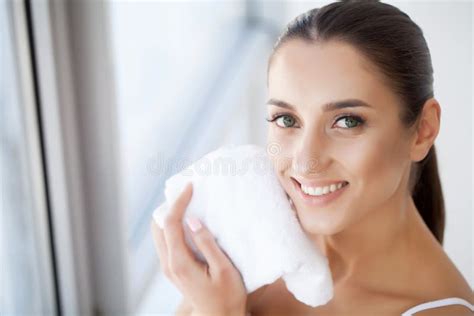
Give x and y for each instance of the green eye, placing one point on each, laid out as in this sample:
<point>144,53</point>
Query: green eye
<point>283,120</point>
<point>286,120</point>
<point>350,122</point>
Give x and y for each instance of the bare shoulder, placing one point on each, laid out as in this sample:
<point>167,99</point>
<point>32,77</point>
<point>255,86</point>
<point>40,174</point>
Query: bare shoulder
<point>439,278</point>
<point>443,277</point>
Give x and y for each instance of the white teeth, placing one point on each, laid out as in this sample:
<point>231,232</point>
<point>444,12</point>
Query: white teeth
<point>321,190</point>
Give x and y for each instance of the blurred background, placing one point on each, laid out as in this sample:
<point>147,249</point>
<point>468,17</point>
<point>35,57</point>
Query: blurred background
<point>101,101</point>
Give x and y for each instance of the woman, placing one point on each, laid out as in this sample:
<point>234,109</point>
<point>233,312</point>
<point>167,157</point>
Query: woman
<point>350,101</point>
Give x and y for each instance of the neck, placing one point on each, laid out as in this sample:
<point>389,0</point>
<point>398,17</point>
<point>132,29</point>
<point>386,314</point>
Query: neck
<point>358,250</point>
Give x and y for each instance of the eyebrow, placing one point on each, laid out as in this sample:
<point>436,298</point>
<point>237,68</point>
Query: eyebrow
<point>330,106</point>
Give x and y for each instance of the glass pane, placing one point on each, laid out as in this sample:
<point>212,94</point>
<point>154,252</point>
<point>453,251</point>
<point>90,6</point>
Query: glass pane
<point>189,77</point>
<point>166,57</point>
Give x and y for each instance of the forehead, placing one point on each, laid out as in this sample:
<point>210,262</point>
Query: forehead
<point>303,72</point>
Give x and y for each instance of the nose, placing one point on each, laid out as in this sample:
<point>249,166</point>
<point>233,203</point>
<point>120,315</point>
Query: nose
<point>306,165</point>
<point>310,156</point>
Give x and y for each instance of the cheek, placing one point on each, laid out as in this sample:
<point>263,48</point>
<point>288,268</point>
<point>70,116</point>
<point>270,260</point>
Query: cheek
<point>279,150</point>
<point>375,165</point>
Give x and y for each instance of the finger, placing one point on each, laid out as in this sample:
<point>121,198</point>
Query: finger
<point>182,262</point>
<point>217,260</point>
<point>160,246</point>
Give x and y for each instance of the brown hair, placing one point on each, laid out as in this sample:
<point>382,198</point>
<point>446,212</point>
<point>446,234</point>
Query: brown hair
<point>397,47</point>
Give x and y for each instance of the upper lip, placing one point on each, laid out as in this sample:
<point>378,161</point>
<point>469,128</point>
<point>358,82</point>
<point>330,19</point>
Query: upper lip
<point>317,183</point>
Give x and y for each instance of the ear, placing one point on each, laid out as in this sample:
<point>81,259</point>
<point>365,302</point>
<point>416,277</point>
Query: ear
<point>427,130</point>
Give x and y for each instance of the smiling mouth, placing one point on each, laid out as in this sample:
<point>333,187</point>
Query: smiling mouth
<point>319,199</point>
<point>320,190</point>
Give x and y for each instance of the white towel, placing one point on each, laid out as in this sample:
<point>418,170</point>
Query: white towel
<point>238,197</point>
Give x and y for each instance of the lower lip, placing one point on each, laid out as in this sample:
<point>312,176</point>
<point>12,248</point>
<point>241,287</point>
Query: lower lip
<point>322,200</point>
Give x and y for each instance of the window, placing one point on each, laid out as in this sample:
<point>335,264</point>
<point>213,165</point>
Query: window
<point>27,279</point>
<point>182,74</point>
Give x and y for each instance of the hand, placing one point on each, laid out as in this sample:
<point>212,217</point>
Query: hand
<point>215,288</point>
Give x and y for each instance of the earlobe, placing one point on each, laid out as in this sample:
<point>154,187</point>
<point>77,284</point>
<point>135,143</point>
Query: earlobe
<point>419,153</point>
<point>427,130</point>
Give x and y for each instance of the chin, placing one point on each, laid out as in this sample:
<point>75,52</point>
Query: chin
<point>320,225</point>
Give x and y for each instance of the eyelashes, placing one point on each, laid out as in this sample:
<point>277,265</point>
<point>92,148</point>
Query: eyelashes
<point>278,116</point>
<point>355,118</point>
<point>352,116</point>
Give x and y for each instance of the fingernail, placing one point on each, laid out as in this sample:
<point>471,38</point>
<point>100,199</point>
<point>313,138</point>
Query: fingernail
<point>193,223</point>
<point>186,186</point>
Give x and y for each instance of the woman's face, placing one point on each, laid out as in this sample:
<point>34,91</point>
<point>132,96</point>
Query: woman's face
<point>319,144</point>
